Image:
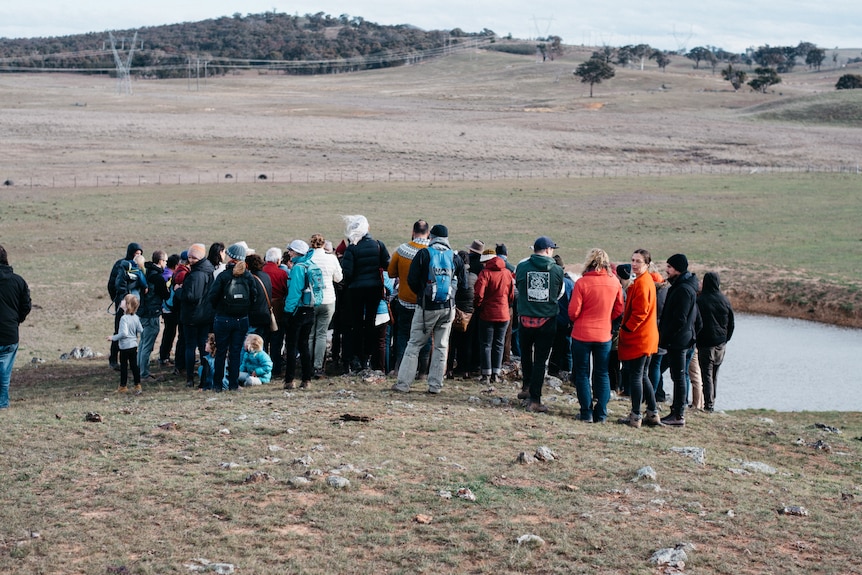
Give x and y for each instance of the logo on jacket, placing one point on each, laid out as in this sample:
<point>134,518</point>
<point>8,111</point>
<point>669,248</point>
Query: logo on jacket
<point>539,286</point>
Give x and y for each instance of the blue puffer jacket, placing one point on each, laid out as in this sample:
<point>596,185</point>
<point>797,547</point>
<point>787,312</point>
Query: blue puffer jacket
<point>362,262</point>
<point>258,362</point>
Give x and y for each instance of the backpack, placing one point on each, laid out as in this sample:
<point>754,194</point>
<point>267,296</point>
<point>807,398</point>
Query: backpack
<point>441,270</point>
<point>236,297</point>
<point>127,280</point>
<point>312,293</point>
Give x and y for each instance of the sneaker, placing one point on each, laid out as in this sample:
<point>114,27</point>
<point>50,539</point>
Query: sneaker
<point>674,420</point>
<point>319,373</point>
<point>584,418</point>
<point>138,389</point>
<point>434,390</point>
<point>304,385</point>
<point>632,420</point>
<point>524,394</point>
<point>652,420</point>
<point>535,407</point>
<point>400,389</point>
<point>485,380</point>
<point>190,383</point>
<point>289,385</point>
<point>122,389</point>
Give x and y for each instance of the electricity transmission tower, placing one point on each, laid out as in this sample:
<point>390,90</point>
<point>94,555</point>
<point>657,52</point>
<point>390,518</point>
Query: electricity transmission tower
<point>124,80</point>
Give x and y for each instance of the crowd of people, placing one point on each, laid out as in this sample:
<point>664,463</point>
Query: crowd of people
<point>427,312</point>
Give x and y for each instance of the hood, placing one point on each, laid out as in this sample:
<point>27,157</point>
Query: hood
<point>440,243</point>
<point>5,271</point>
<point>150,266</point>
<point>541,262</point>
<point>495,264</point>
<point>711,283</point>
<point>204,265</point>
<point>131,249</point>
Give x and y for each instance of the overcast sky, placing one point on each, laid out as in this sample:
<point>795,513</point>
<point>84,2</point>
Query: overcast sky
<point>730,24</point>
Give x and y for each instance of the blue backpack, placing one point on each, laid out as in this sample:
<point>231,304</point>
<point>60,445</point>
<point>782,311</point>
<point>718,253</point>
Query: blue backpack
<point>312,292</point>
<point>441,271</point>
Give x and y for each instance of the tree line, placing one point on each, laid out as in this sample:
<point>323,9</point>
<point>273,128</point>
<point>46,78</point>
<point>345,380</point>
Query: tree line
<point>254,39</point>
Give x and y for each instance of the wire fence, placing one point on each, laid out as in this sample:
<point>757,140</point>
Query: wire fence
<point>344,176</point>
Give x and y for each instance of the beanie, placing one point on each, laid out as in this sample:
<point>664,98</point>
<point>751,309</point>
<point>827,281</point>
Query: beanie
<point>502,250</point>
<point>236,252</point>
<point>440,231</point>
<point>624,271</point>
<point>679,262</point>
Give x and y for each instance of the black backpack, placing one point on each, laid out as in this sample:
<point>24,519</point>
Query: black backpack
<point>236,297</point>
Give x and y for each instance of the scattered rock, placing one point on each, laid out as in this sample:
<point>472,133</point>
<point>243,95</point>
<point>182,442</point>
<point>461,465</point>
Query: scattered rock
<point>58,416</point>
<point>298,481</point>
<point>572,488</point>
<point>93,417</point>
<point>731,513</point>
<point>337,482</point>
<point>423,519</point>
<point>525,458</point>
<point>168,426</point>
<point>228,465</point>
<point>696,453</point>
<point>202,565</point>
<point>796,510</point>
<point>80,353</point>
<point>828,428</point>
<point>821,445</point>
<point>530,540</point>
<point>126,411</point>
<point>258,477</point>
<point>445,494</point>
<point>224,431</point>
<point>37,360</point>
<point>305,460</point>
<point>737,471</point>
<point>545,454</point>
<point>672,556</point>
<point>646,472</point>
<point>350,417</point>
<point>759,467</point>
<point>273,448</point>
<point>465,493</point>
<point>765,420</point>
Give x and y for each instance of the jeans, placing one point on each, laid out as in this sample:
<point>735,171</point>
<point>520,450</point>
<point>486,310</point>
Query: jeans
<point>678,364</point>
<point>7,359</point>
<point>536,343</point>
<point>403,323</point>
<point>230,334</point>
<point>169,333</point>
<point>492,338</point>
<point>601,383</point>
<point>561,352</point>
<point>639,384</point>
<point>322,317</point>
<point>655,371</point>
<point>296,338</point>
<point>195,339</point>
<point>710,359</point>
<point>151,326</point>
<point>689,353</point>
<point>435,324</point>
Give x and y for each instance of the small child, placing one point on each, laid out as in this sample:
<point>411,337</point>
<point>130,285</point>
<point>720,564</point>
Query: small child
<point>127,340</point>
<point>256,365</point>
<point>207,368</point>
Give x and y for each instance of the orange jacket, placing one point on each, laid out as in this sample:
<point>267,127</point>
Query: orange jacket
<point>639,330</point>
<point>597,299</point>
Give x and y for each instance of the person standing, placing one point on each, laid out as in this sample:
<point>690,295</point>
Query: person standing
<point>127,340</point>
<point>597,300</point>
<point>330,268</point>
<point>274,340</point>
<point>494,293</point>
<point>677,330</point>
<point>539,281</point>
<point>132,250</point>
<point>232,295</point>
<point>437,275</point>
<point>191,289</point>
<point>639,341</point>
<point>150,310</point>
<point>299,312</point>
<point>718,324</point>
<point>404,306</point>
<point>15,305</point>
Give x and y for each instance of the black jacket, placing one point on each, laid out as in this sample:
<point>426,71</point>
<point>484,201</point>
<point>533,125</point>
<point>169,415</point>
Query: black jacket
<point>157,292</point>
<point>362,262</point>
<point>216,291</point>
<point>115,271</point>
<point>258,316</point>
<point>194,289</point>
<point>677,327</point>
<point>716,313</point>
<point>15,304</point>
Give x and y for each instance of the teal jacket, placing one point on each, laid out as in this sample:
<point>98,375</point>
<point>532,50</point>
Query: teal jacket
<point>540,283</point>
<point>297,283</point>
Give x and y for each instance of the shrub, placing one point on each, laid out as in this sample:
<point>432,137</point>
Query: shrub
<point>849,82</point>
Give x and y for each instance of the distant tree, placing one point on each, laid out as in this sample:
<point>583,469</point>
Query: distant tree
<point>849,82</point>
<point>803,48</point>
<point>736,77</point>
<point>606,54</point>
<point>814,58</point>
<point>555,47</point>
<point>698,54</point>
<point>593,71</point>
<point>624,55</point>
<point>764,78</point>
<point>661,58</point>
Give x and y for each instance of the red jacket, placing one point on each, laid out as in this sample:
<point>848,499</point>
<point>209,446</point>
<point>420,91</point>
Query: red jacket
<point>494,291</point>
<point>278,277</point>
<point>639,330</point>
<point>597,299</point>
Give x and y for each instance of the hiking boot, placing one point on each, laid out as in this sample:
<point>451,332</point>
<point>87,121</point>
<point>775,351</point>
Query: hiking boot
<point>400,389</point>
<point>674,420</point>
<point>304,385</point>
<point>138,389</point>
<point>632,420</point>
<point>122,389</point>
<point>536,407</point>
<point>434,390</point>
<point>524,394</point>
<point>289,385</point>
<point>652,420</point>
<point>319,373</point>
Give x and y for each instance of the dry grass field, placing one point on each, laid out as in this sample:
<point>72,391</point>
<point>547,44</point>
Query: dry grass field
<point>497,147</point>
